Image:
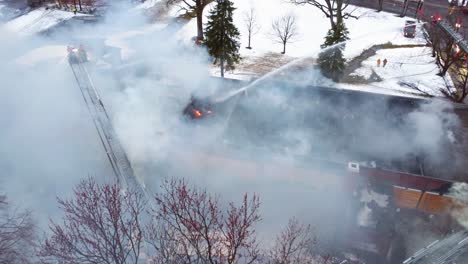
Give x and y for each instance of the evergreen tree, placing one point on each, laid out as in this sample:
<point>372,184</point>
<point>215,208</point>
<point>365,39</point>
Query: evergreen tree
<point>221,35</point>
<point>331,59</point>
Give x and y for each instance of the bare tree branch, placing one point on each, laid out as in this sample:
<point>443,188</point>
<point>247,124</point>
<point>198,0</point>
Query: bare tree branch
<point>193,8</point>
<point>284,30</point>
<point>190,227</point>
<point>17,234</point>
<point>334,10</point>
<point>294,244</point>
<point>101,225</point>
<point>251,24</point>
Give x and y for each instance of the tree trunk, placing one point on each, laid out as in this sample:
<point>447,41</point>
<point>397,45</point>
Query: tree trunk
<point>222,66</point>
<point>284,48</point>
<point>380,5</point>
<point>464,91</point>
<point>444,71</point>
<point>405,8</point>
<point>199,12</point>
<point>248,46</point>
<point>79,2</point>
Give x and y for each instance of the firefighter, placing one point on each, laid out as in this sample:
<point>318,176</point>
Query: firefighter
<point>384,62</point>
<point>378,62</point>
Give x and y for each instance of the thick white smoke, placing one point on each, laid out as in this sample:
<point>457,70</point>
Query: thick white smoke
<point>268,142</point>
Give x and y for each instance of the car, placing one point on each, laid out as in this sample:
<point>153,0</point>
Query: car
<point>410,29</point>
<point>198,108</point>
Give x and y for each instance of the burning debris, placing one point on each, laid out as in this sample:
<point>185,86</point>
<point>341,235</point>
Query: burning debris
<point>198,108</point>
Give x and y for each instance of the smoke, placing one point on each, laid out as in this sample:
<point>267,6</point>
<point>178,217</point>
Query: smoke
<point>287,141</point>
<point>460,192</point>
<point>46,140</point>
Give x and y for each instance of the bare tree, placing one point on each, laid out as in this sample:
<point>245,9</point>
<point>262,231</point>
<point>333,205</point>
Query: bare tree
<point>17,235</point>
<point>444,48</point>
<point>284,30</point>
<point>251,24</point>
<point>294,244</point>
<point>460,82</point>
<point>101,225</point>
<point>190,226</point>
<point>194,8</point>
<point>334,10</point>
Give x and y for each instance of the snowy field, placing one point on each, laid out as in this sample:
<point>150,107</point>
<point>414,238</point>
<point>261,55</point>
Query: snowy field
<point>371,28</point>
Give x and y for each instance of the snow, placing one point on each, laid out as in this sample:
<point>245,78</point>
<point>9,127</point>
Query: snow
<point>364,217</point>
<point>364,32</point>
<point>368,196</point>
<point>52,53</point>
<point>148,4</point>
<point>39,20</point>
<point>413,66</point>
<point>451,137</point>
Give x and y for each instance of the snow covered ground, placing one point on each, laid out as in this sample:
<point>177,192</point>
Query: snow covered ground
<point>412,65</point>
<point>39,20</point>
<point>406,67</point>
<point>371,28</point>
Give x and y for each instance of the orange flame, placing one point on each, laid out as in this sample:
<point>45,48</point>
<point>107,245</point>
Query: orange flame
<point>197,113</point>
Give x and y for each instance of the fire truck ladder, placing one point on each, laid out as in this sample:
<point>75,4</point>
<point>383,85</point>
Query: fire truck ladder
<point>115,153</point>
<point>442,251</point>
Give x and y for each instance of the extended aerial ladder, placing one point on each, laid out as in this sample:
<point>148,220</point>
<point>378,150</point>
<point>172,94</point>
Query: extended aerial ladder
<point>115,153</point>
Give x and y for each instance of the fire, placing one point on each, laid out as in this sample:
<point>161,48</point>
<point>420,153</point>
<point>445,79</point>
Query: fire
<point>197,113</point>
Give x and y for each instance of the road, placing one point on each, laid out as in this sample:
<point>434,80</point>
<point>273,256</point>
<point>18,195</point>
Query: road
<point>430,7</point>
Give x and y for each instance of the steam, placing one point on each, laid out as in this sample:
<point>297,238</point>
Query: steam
<point>460,192</point>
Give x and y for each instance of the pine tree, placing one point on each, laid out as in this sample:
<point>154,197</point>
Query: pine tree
<point>221,35</point>
<point>331,59</point>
